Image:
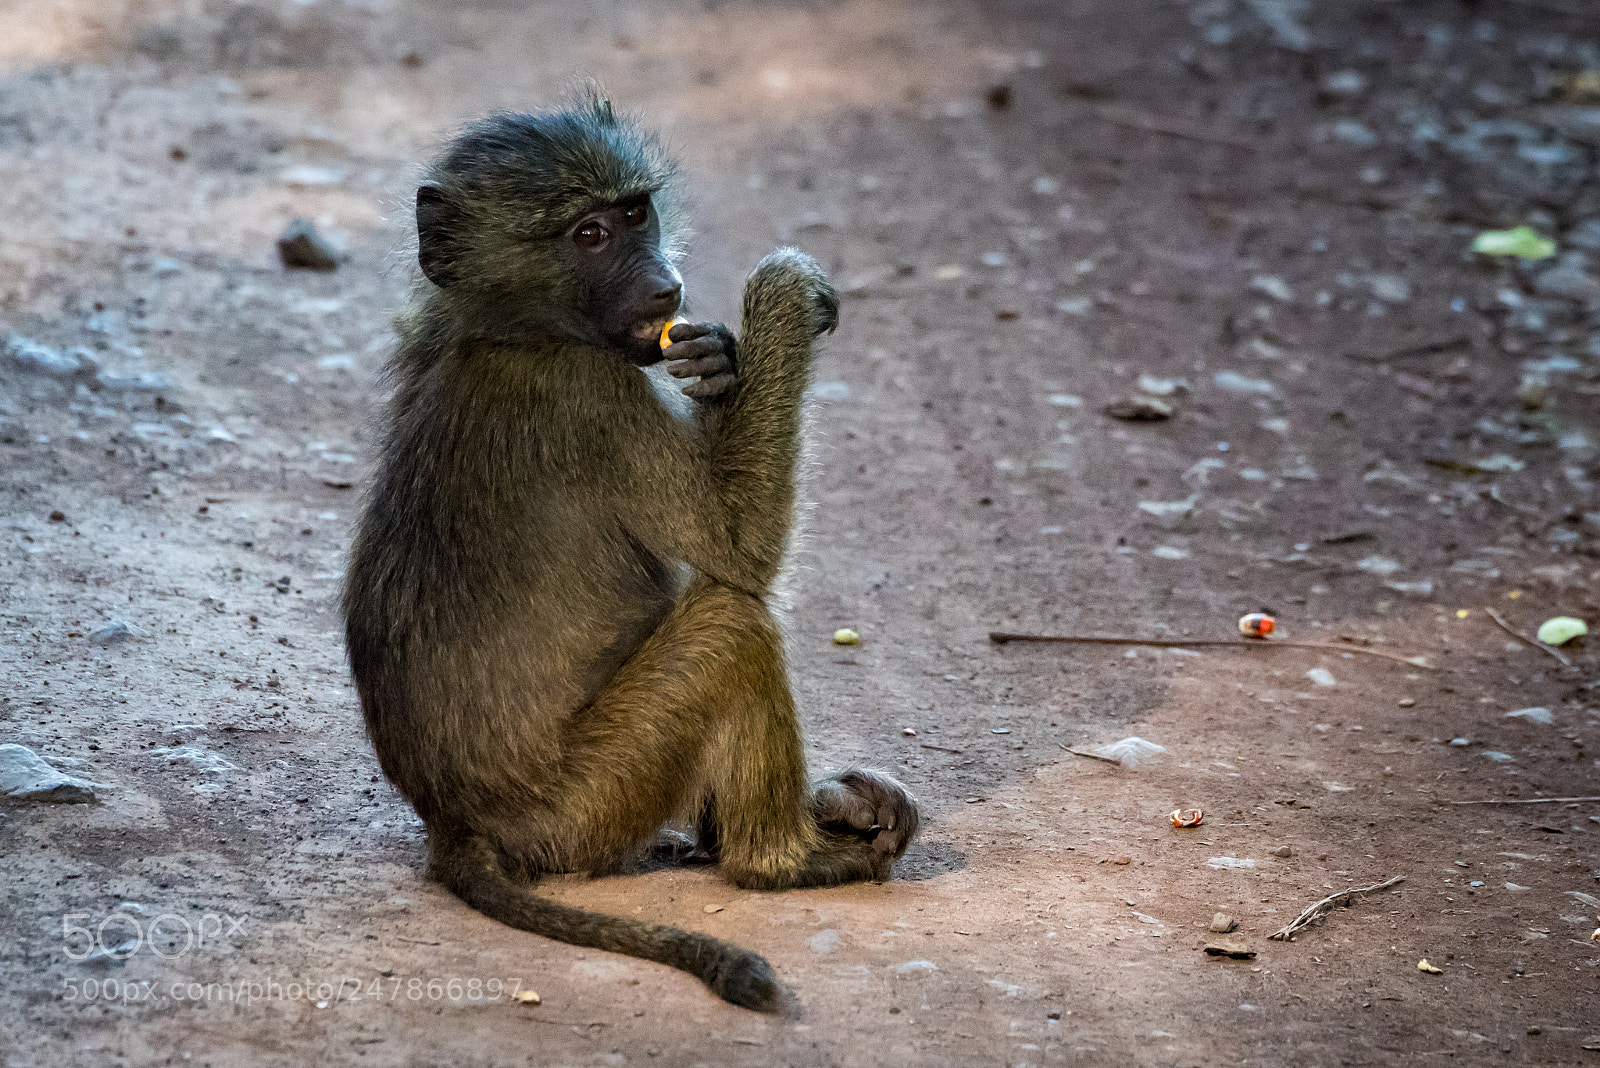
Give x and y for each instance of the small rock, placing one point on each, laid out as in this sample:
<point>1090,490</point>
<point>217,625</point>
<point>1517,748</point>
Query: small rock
<point>1569,280</point>
<point>1378,565</point>
<point>1390,288</point>
<point>1270,285</point>
<point>1226,863</point>
<point>30,357</point>
<point>1321,676</point>
<point>142,382</point>
<point>307,174</point>
<point>301,246</point>
<point>1231,948</point>
<point>1222,923</point>
<point>1460,743</point>
<point>1535,715</point>
<point>1234,382</point>
<point>713,909</point>
<point>1343,85</point>
<point>115,631</point>
<point>915,969</point>
<point>1353,132</point>
<point>207,763</point>
<point>909,732</point>
<point>1152,386</point>
<point>1407,702</point>
<point>1283,851</point>
<point>1532,392</point>
<point>24,776</point>
<point>1169,514</point>
<point>1140,409</point>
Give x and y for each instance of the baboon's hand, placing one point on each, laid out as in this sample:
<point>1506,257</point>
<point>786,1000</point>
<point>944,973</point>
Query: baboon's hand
<point>705,351</point>
<point>789,291</point>
<point>872,805</point>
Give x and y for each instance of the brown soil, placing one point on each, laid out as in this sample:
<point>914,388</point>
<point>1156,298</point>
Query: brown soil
<point>1023,203</point>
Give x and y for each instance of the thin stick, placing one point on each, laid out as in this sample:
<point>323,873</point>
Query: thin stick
<point>1525,801</point>
<point>1092,756</point>
<point>1328,904</point>
<point>1001,638</point>
<point>1503,625</point>
<point>941,748</point>
<point>1138,120</point>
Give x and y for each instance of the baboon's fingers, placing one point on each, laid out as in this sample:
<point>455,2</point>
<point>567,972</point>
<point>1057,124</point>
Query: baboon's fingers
<point>709,387</point>
<point>681,332</point>
<point>699,364</point>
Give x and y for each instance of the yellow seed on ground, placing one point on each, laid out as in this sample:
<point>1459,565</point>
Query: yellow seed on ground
<point>527,997</point>
<point>1424,966</point>
<point>846,636</point>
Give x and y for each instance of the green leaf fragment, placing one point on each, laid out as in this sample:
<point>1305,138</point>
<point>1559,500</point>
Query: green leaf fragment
<point>1561,630</point>
<point>1522,241</point>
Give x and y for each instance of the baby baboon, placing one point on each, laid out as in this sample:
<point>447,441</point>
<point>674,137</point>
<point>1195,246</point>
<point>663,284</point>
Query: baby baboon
<point>558,603</point>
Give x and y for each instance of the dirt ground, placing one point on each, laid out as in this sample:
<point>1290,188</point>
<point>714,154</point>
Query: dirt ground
<point>1261,210</point>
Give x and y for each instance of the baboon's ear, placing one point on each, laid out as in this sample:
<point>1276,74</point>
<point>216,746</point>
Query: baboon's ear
<point>437,220</point>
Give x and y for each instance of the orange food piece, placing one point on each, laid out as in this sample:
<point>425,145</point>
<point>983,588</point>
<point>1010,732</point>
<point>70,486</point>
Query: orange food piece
<point>1191,818</point>
<point>1257,625</point>
<point>665,341</point>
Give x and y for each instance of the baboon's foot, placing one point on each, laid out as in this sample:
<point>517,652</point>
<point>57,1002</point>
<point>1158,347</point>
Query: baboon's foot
<point>871,805</point>
<point>675,847</point>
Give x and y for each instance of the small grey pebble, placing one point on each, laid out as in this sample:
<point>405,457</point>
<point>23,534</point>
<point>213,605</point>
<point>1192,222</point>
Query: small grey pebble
<point>1222,923</point>
<point>115,631</point>
<point>301,246</point>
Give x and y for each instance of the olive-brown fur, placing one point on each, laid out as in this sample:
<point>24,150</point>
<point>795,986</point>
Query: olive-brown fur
<point>560,601</point>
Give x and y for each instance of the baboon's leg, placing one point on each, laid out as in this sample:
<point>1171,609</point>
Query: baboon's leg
<point>700,713</point>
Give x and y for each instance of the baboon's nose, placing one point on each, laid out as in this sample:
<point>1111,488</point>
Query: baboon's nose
<point>665,300</point>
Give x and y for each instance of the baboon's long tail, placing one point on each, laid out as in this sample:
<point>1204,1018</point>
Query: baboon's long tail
<point>472,870</point>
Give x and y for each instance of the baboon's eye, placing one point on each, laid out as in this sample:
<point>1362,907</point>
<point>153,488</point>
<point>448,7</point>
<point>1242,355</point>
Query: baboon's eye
<point>591,235</point>
<point>636,214</point>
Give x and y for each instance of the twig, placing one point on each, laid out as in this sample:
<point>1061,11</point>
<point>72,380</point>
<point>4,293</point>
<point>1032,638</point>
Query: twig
<point>1503,625</point>
<point>1425,348</point>
<point>1138,120</point>
<point>1328,904</point>
<point>1092,756</point>
<point>941,748</point>
<point>1525,800</point>
<point>1001,638</point>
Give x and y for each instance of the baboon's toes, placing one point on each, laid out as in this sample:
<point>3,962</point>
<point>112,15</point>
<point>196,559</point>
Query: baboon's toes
<point>747,980</point>
<point>671,845</point>
<point>894,817</point>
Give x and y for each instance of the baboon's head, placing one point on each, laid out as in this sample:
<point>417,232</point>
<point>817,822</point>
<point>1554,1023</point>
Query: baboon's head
<point>564,220</point>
